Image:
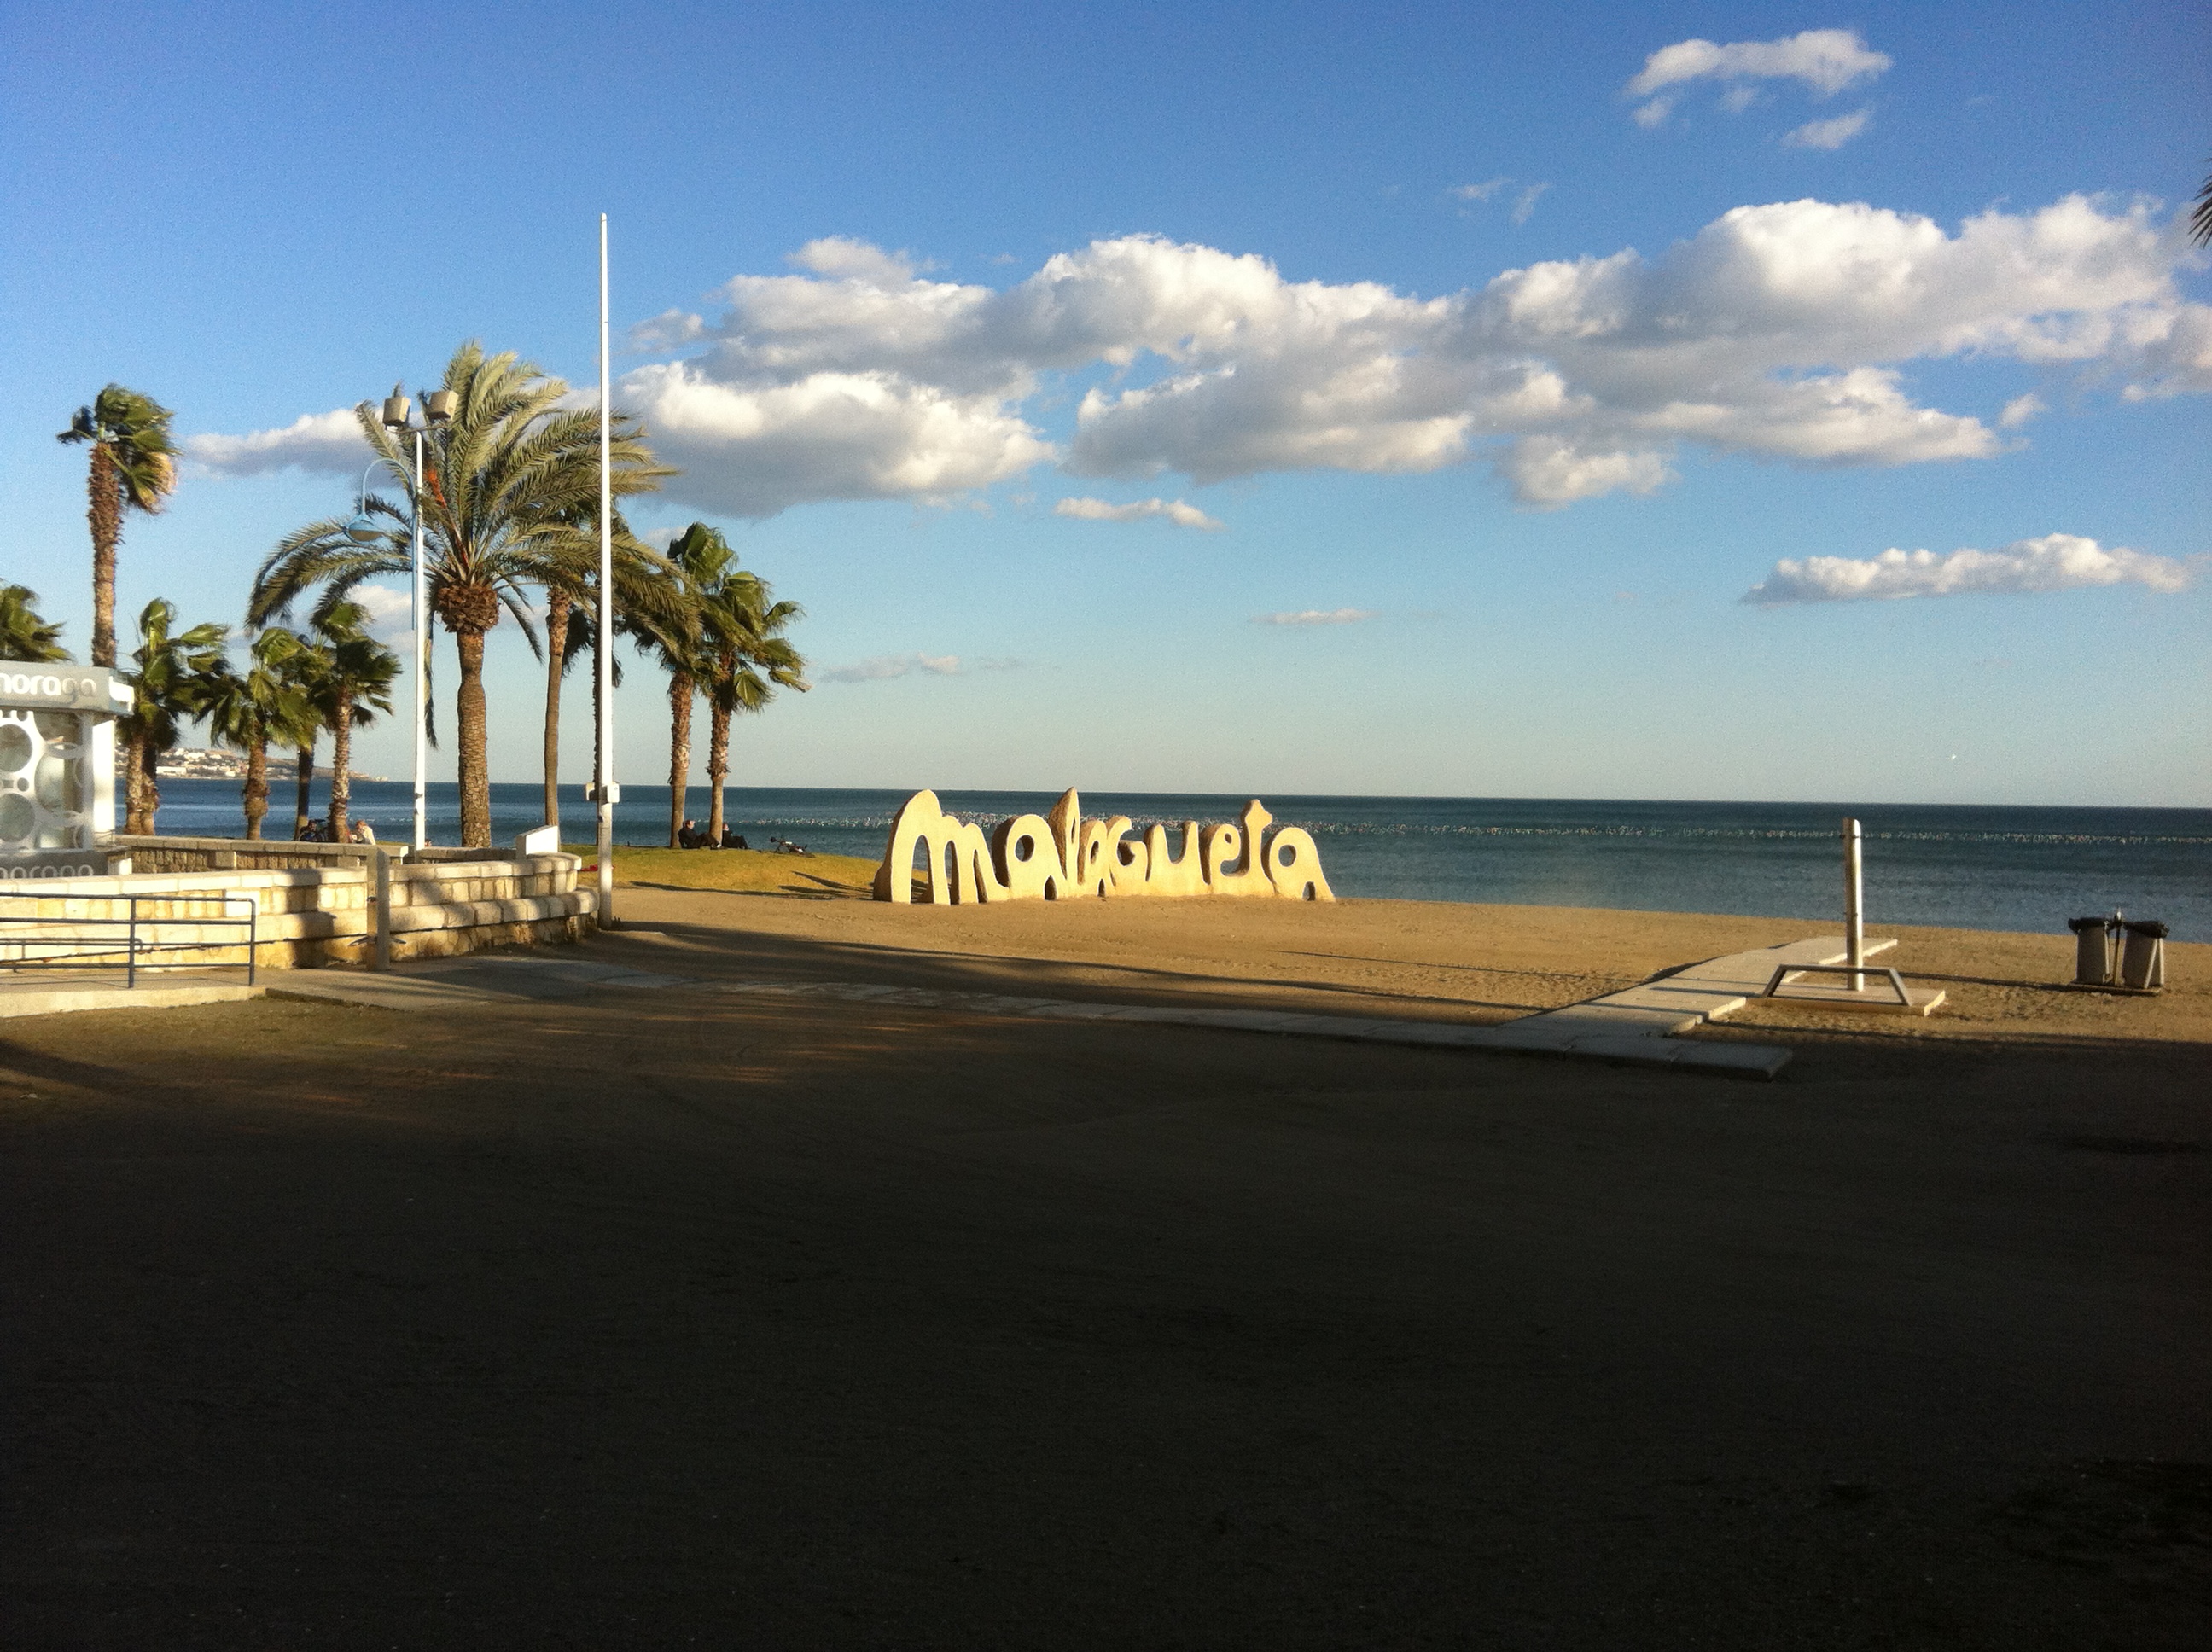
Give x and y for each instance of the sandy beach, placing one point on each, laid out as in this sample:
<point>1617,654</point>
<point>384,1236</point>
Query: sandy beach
<point>681,1316</point>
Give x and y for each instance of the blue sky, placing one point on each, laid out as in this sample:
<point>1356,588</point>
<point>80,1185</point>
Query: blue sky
<point>1481,364</point>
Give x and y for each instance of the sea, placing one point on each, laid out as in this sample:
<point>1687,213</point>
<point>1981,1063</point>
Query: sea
<point>1958,865</point>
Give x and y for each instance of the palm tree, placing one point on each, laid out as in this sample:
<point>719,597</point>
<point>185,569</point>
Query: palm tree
<point>133,467</point>
<point>569,635</point>
<point>247,709</point>
<point>24,634</point>
<point>305,670</point>
<point>509,483</point>
<point>743,626</point>
<point>702,560</point>
<point>2200,221</point>
<point>172,677</point>
<point>354,685</point>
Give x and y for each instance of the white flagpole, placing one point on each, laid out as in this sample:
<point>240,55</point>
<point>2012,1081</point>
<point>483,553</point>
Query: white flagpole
<point>604,790</point>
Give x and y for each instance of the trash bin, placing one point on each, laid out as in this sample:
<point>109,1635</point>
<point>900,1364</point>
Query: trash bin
<point>2092,951</point>
<point>2143,961</point>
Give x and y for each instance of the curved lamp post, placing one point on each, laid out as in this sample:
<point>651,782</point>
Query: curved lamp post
<point>437,408</point>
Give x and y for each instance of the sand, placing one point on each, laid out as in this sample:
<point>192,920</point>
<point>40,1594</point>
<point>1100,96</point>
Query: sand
<point>682,1317</point>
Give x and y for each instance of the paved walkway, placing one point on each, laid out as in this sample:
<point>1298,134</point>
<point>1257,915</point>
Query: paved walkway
<point>1626,1027</point>
<point>55,992</point>
<point>1642,1025</point>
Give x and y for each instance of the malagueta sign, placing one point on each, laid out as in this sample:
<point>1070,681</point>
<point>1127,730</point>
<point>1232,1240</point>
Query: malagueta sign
<point>1034,857</point>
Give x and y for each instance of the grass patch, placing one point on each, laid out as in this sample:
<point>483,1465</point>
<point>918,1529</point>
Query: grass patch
<point>743,871</point>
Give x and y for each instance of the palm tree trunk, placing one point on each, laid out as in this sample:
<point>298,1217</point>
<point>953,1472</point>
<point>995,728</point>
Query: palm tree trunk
<point>718,764</point>
<point>306,780</point>
<point>257,786</point>
<point>557,648</point>
<point>341,764</point>
<point>144,796</point>
<point>127,756</point>
<point>469,714</point>
<point>106,516</point>
<point>680,688</point>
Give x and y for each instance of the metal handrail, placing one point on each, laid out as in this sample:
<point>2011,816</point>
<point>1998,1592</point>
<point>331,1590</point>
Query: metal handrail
<point>1896,981</point>
<point>90,951</point>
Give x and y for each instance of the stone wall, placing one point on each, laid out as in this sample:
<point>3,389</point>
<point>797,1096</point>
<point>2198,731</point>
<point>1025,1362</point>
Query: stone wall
<point>307,916</point>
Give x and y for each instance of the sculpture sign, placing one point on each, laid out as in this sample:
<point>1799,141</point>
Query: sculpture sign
<point>1034,857</point>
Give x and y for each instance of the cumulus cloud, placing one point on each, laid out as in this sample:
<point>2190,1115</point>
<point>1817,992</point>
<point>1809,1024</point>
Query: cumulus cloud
<point>1173,510</point>
<point>1826,60</point>
<point>1828,134</point>
<point>1318,616</point>
<point>1787,331</point>
<point>314,441</point>
<point>883,667</point>
<point>2056,562</point>
<point>2020,409</point>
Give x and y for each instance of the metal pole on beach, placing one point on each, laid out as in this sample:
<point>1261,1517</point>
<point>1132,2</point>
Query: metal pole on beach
<point>604,772</point>
<point>422,662</point>
<point>1854,906</point>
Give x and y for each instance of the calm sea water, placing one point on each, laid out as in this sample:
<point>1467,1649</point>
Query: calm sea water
<point>1979,868</point>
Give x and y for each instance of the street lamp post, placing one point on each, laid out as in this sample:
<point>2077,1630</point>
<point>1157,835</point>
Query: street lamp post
<point>437,408</point>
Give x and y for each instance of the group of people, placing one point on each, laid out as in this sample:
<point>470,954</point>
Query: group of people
<point>691,836</point>
<point>319,832</point>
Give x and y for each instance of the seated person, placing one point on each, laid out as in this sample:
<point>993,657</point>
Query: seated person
<point>732,840</point>
<point>688,836</point>
<point>361,832</point>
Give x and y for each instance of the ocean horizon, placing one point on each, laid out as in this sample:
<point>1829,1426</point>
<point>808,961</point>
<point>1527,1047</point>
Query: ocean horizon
<point>1971,866</point>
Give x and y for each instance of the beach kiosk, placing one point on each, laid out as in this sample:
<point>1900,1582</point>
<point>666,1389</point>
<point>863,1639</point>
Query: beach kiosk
<point>58,769</point>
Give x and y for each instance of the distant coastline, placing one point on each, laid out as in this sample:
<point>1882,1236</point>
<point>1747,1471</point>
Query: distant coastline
<point>211,763</point>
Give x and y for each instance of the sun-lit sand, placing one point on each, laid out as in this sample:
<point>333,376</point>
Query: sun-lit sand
<point>1425,959</point>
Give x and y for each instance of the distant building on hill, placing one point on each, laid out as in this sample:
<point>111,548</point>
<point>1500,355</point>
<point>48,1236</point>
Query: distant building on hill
<point>203,764</point>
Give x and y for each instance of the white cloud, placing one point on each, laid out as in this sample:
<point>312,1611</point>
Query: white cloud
<point>1786,330</point>
<point>883,667</point>
<point>1825,59</point>
<point>2056,562</point>
<point>1831,134</point>
<point>2020,409</point>
<point>1526,205</point>
<point>1174,510</point>
<point>753,450</point>
<point>1479,191</point>
<point>835,255</point>
<point>314,441</point>
<point>1318,616</point>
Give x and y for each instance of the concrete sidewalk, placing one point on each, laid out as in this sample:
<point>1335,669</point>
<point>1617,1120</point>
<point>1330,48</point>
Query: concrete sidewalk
<point>1597,1031</point>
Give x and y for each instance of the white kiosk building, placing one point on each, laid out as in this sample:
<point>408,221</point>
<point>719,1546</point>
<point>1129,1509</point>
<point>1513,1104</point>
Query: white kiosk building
<point>58,769</point>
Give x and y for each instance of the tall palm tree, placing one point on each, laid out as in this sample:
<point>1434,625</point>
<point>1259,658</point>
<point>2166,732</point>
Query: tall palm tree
<point>171,676</point>
<point>509,483</point>
<point>746,659</point>
<point>569,605</point>
<point>354,685</point>
<point>24,634</point>
<point>2200,221</point>
<point>305,670</point>
<point>570,635</point>
<point>133,468</point>
<point>248,709</point>
<point>702,560</point>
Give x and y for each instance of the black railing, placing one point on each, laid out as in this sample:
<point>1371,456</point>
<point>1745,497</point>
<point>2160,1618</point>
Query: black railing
<point>139,946</point>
